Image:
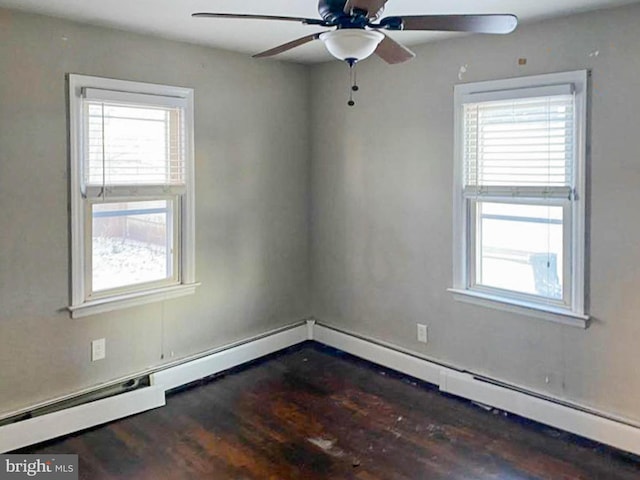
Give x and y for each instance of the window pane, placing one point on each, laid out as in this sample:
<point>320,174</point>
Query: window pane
<point>131,243</point>
<point>520,248</point>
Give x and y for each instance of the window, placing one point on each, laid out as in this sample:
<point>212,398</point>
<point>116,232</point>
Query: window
<point>132,196</point>
<point>519,207</point>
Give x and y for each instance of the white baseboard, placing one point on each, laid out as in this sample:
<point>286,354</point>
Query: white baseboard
<point>589,425</point>
<point>63,422</point>
<point>218,362</point>
<point>387,357</point>
<point>38,429</point>
<point>603,430</point>
<point>607,431</point>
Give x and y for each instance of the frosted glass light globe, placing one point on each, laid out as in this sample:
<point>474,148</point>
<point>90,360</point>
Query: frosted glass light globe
<point>350,43</point>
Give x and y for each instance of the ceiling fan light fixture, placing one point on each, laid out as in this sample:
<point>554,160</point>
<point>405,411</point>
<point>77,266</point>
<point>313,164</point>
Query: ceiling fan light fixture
<point>351,43</point>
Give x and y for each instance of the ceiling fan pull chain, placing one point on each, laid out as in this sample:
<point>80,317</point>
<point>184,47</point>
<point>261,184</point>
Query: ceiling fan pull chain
<point>352,77</point>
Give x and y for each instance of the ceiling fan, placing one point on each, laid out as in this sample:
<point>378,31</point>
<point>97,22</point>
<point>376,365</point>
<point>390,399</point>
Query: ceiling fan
<point>357,35</point>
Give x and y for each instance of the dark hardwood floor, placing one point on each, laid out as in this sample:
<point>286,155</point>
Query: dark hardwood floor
<point>313,413</point>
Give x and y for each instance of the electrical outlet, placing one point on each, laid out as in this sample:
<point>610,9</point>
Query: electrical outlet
<point>422,333</point>
<point>98,349</point>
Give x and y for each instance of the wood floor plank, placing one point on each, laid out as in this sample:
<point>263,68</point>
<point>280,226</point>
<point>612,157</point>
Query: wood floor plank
<point>313,413</point>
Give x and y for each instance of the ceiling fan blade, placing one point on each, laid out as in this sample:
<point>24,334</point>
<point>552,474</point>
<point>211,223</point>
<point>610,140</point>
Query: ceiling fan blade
<point>372,7</point>
<point>492,23</point>
<point>289,45</point>
<point>393,52</point>
<point>309,21</point>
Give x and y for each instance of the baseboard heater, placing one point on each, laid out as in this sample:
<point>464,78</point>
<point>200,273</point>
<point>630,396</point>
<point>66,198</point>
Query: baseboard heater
<point>147,392</point>
<point>548,411</point>
<point>99,394</point>
<point>88,410</point>
<point>139,394</point>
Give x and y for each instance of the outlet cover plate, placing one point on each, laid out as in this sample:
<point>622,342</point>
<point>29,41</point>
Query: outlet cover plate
<point>422,333</point>
<point>98,349</point>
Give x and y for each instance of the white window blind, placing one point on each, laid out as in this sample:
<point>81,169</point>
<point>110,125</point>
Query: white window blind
<point>133,145</point>
<point>519,145</point>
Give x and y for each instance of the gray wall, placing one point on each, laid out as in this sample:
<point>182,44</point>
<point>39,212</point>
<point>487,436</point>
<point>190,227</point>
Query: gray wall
<point>251,216</point>
<point>380,220</point>
<point>382,210</point>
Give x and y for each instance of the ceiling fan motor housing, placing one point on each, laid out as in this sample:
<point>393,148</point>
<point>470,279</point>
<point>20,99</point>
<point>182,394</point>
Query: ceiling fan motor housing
<point>332,11</point>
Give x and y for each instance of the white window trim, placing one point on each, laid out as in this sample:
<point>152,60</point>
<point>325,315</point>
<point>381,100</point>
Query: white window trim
<point>575,314</point>
<point>80,306</point>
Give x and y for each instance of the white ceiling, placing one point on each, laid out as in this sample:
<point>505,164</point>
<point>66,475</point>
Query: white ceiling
<point>171,18</point>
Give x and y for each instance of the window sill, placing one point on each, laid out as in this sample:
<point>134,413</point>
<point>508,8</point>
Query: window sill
<point>544,312</point>
<point>118,302</point>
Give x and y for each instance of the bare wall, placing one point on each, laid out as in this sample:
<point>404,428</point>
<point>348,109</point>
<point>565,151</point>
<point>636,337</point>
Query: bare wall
<point>382,210</point>
<point>251,139</point>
